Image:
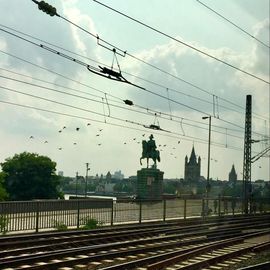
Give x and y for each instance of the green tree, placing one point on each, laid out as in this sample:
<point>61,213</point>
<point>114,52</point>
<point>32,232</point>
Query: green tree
<point>29,176</point>
<point>3,192</point>
<point>169,188</point>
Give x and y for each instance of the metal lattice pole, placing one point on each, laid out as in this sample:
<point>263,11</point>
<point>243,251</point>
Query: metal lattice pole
<point>247,157</point>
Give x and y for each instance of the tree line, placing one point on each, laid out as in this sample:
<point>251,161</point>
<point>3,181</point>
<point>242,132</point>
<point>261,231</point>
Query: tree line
<point>29,176</point>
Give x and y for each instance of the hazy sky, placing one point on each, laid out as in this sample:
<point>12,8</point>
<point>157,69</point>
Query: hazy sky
<point>63,111</point>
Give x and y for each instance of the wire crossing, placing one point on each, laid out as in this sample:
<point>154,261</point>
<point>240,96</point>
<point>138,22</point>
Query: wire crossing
<point>185,44</point>
<point>124,53</point>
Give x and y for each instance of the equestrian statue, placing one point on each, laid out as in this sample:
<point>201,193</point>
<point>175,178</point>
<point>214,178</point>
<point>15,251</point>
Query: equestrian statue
<point>149,151</point>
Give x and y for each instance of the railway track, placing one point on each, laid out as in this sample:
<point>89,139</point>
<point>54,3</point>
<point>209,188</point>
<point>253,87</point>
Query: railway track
<point>134,247</point>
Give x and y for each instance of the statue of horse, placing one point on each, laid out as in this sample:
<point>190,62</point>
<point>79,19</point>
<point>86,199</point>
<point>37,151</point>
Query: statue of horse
<point>147,153</point>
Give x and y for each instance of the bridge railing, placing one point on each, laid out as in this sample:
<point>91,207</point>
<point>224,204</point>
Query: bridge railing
<point>29,216</point>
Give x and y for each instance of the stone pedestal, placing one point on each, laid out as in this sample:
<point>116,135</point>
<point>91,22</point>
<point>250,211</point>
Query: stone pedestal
<point>149,184</point>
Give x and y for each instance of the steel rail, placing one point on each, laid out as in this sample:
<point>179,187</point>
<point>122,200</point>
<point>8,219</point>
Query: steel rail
<point>161,261</point>
<point>79,251</point>
<point>52,244</point>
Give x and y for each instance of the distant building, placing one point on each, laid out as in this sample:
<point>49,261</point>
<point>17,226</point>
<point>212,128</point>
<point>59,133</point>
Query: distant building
<point>232,175</point>
<point>192,168</point>
<point>108,187</point>
<point>108,177</point>
<point>118,175</point>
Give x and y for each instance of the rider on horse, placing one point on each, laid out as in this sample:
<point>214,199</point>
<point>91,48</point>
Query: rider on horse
<point>151,146</point>
<point>149,150</point>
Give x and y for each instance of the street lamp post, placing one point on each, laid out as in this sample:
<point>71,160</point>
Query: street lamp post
<point>77,174</point>
<point>86,176</point>
<point>208,165</point>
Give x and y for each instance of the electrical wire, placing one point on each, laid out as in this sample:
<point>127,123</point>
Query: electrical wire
<point>103,92</point>
<point>170,135</point>
<point>54,84</point>
<point>151,82</point>
<point>113,105</point>
<point>101,71</point>
<point>184,43</point>
<point>193,97</point>
<point>259,155</point>
<point>118,98</point>
<point>128,121</point>
<point>81,109</point>
<point>85,64</point>
<point>234,24</point>
<point>225,100</point>
<point>185,138</point>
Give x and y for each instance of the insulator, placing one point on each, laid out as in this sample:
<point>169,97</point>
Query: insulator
<point>45,7</point>
<point>154,127</point>
<point>128,102</point>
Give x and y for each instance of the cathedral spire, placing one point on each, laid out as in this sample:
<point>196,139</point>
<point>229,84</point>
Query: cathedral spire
<point>232,174</point>
<point>192,167</point>
<point>193,159</point>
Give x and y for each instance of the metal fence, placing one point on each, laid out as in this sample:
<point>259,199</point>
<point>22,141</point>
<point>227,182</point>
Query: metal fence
<point>43,215</point>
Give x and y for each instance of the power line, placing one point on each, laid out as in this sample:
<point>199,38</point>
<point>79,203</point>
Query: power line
<point>52,72</point>
<point>105,93</point>
<point>191,96</point>
<point>102,63</point>
<point>170,135</point>
<point>95,112</point>
<point>101,71</point>
<point>228,122</point>
<point>138,59</point>
<point>51,44</point>
<point>55,84</point>
<point>234,24</point>
<point>161,96</point>
<point>154,112</point>
<point>86,65</point>
<point>117,106</point>
<point>85,110</point>
<point>184,43</point>
<point>197,87</point>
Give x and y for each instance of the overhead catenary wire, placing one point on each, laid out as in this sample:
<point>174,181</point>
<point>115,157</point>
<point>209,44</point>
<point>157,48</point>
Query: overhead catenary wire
<point>214,102</point>
<point>119,100</point>
<point>259,155</point>
<point>49,70</point>
<point>184,43</point>
<point>93,112</point>
<point>117,106</point>
<point>234,24</point>
<point>85,64</point>
<point>131,121</point>
<point>151,82</point>
<point>58,74</point>
<point>74,107</point>
<point>101,71</point>
<point>51,83</point>
<point>138,59</point>
<point>170,135</point>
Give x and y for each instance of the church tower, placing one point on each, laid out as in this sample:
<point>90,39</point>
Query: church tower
<point>192,167</point>
<point>232,175</point>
